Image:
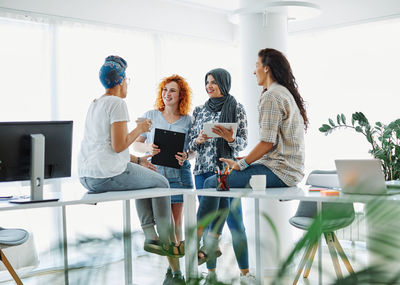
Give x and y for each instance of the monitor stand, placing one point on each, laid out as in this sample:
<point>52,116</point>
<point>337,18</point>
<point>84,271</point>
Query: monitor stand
<point>37,172</point>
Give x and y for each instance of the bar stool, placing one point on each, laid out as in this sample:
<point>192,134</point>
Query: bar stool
<point>334,216</point>
<point>8,238</point>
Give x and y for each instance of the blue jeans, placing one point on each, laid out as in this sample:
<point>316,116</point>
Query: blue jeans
<point>151,211</point>
<point>237,179</point>
<point>178,178</point>
<point>235,225</point>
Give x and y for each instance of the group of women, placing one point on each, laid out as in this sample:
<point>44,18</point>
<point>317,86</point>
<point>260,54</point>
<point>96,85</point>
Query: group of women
<point>105,164</point>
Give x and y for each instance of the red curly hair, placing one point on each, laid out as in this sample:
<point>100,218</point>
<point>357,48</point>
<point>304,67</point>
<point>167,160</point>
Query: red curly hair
<point>185,94</point>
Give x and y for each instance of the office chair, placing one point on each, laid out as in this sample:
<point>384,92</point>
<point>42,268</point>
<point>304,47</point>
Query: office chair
<point>8,238</point>
<point>334,216</point>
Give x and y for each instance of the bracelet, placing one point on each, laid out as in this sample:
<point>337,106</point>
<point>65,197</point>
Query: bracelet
<point>138,160</point>
<point>187,155</point>
<point>242,164</point>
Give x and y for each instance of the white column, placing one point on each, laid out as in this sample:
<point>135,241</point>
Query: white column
<point>258,31</point>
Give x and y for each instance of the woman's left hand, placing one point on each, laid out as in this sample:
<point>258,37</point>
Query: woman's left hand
<point>231,163</point>
<point>145,163</point>
<point>226,134</point>
<point>181,157</point>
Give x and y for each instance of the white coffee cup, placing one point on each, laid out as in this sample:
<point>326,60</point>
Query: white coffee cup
<point>258,182</point>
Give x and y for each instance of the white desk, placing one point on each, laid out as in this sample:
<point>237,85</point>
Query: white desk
<point>289,193</point>
<point>75,194</point>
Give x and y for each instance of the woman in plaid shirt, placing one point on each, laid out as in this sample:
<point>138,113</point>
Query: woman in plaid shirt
<point>282,120</point>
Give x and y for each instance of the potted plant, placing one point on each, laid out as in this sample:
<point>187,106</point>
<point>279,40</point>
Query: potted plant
<point>384,140</point>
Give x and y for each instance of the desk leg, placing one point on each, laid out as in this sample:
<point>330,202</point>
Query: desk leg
<point>319,211</point>
<point>189,213</point>
<point>127,241</point>
<point>259,275</point>
<point>65,243</point>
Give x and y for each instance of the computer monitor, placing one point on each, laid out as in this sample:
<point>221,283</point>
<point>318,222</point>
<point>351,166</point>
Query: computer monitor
<point>35,151</point>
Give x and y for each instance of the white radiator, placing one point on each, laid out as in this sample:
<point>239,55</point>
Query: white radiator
<point>354,232</point>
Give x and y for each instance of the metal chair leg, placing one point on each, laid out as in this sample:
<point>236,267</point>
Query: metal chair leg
<point>10,268</point>
<point>302,263</point>
<point>341,253</point>
<point>310,261</point>
<point>329,241</point>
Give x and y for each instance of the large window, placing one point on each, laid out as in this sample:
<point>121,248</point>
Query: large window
<point>25,71</point>
<point>193,58</point>
<point>50,72</point>
<point>81,50</point>
<point>346,70</point>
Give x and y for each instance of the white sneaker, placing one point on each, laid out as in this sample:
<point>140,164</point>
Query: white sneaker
<point>248,279</point>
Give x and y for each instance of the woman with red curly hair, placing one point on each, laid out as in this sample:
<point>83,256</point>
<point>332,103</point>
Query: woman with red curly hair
<point>172,113</point>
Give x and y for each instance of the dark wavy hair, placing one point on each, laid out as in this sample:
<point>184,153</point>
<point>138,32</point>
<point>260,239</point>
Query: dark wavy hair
<point>282,73</point>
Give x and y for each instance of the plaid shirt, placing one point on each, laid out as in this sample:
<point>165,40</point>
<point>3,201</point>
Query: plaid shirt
<point>281,123</point>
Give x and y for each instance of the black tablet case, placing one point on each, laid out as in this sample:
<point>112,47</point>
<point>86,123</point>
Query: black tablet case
<point>170,143</point>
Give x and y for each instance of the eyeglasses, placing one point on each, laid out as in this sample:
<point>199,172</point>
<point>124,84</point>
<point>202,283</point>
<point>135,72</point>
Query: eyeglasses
<point>128,80</point>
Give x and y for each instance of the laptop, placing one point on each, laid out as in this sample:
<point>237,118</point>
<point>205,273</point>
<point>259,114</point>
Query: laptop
<point>364,176</point>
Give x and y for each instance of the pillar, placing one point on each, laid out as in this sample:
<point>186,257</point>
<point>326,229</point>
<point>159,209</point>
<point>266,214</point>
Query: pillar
<point>256,31</point>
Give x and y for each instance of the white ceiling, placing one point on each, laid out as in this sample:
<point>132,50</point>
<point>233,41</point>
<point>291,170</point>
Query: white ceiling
<point>222,5</point>
<point>199,18</point>
<point>334,13</point>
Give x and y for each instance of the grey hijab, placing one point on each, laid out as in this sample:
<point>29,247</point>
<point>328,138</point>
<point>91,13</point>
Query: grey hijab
<point>226,105</point>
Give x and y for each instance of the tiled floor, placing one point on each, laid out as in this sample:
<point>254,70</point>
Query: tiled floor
<point>150,269</point>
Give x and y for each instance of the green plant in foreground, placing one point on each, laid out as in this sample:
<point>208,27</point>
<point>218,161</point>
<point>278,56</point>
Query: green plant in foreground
<point>384,140</point>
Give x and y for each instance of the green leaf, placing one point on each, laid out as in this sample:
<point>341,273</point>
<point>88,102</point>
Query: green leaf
<point>363,121</point>
<point>387,133</point>
<point>356,116</point>
<point>324,128</point>
<point>327,127</point>
<point>331,122</point>
<point>392,126</point>
<point>338,119</point>
<point>343,118</point>
<point>359,129</point>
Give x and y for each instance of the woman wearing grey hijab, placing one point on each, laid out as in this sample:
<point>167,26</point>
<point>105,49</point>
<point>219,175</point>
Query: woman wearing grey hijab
<point>220,107</point>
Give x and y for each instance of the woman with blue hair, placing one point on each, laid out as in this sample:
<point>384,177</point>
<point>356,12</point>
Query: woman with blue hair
<point>104,162</point>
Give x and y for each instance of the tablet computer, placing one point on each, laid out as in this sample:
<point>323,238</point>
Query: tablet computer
<point>207,127</point>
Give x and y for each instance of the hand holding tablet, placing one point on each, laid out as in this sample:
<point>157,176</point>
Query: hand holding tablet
<point>207,127</point>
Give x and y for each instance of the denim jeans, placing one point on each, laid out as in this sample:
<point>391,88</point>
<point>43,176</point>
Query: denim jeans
<point>235,225</point>
<point>237,179</point>
<point>151,211</point>
<point>178,178</point>
<point>240,179</point>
